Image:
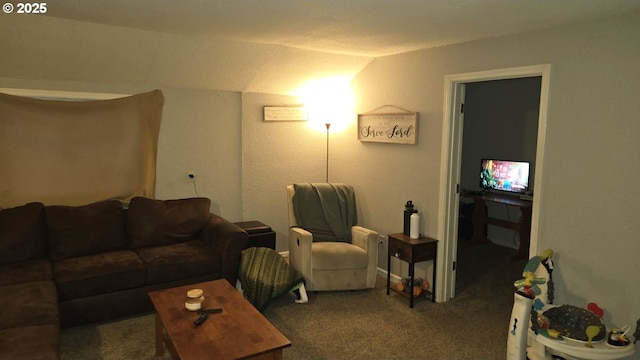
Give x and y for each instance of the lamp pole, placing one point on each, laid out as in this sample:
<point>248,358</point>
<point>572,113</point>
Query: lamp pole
<point>327,173</point>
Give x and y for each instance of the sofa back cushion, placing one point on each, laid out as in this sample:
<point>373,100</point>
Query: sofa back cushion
<point>153,222</point>
<point>22,233</point>
<point>85,230</point>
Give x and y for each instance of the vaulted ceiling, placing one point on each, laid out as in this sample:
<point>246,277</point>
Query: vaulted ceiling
<point>260,45</point>
<point>354,27</point>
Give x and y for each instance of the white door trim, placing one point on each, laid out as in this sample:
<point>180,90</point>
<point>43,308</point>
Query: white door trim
<point>451,158</point>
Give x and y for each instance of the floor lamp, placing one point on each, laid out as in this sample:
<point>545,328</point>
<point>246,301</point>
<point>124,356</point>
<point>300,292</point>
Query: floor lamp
<point>327,173</point>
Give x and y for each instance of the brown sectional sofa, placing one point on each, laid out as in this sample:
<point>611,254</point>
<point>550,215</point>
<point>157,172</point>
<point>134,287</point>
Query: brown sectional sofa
<point>63,266</point>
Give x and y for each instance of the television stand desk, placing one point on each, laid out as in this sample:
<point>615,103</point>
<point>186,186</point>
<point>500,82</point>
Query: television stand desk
<point>480,218</point>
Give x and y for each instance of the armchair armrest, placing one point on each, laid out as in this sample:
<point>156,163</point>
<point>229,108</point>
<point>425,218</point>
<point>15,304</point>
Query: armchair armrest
<point>368,240</point>
<point>228,240</point>
<point>364,238</point>
<point>300,241</point>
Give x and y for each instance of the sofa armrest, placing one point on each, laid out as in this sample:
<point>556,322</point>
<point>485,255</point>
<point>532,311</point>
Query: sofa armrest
<point>228,240</point>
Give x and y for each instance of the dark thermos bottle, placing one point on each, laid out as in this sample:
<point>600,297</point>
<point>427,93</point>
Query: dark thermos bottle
<point>408,210</point>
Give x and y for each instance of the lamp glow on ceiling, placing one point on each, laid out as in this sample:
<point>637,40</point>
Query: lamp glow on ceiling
<point>328,100</point>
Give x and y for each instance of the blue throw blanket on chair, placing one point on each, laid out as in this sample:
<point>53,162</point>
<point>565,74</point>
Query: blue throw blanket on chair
<point>326,210</point>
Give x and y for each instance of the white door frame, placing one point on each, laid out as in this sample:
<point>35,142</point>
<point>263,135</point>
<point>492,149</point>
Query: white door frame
<point>450,169</point>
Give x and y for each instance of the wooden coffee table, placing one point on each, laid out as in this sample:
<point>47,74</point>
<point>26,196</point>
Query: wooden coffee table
<point>238,332</point>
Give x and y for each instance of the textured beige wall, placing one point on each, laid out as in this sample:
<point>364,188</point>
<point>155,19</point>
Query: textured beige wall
<point>590,197</point>
<point>199,132</point>
<point>274,155</point>
<point>201,127</point>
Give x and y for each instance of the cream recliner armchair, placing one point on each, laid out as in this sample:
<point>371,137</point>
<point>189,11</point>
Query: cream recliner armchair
<point>329,264</point>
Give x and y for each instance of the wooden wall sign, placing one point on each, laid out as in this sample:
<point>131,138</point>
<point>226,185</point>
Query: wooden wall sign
<point>285,113</point>
<point>394,128</point>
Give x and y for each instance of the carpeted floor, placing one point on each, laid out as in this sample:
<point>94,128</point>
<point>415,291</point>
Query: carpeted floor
<point>358,324</point>
<point>129,338</point>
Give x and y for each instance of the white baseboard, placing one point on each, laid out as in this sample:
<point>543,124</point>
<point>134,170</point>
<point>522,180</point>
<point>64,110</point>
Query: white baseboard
<point>394,278</point>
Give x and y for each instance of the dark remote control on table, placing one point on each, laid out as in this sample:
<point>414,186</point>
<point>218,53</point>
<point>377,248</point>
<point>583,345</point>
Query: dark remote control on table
<point>209,311</point>
<point>201,319</point>
<point>204,314</point>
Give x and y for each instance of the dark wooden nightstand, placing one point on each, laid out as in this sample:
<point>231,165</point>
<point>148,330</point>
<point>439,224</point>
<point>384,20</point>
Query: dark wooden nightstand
<point>412,251</point>
<point>260,235</point>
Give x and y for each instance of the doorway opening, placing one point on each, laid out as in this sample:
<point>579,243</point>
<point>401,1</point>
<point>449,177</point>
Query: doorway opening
<point>451,161</point>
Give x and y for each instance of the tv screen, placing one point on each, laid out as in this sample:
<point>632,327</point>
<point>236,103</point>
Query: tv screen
<point>504,175</point>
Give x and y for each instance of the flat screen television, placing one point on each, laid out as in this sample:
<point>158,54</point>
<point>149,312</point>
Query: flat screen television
<point>504,175</point>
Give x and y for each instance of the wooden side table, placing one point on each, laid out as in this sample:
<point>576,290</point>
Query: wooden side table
<point>260,235</point>
<point>412,251</point>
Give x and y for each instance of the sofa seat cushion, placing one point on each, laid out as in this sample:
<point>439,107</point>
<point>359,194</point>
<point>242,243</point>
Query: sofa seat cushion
<point>26,271</point>
<point>85,230</point>
<point>27,304</point>
<point>338,256</point>
<point>34,342</point>
<point>98,274</point>
<point>22,233</point>
<point>179,261</point>
<point>153,222</point>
